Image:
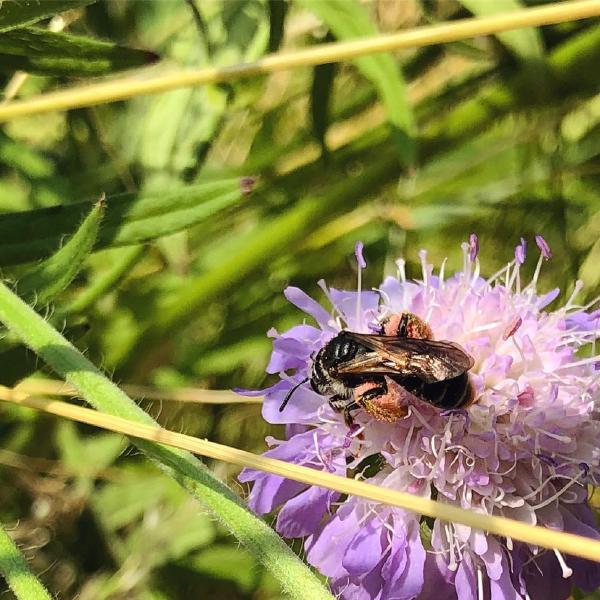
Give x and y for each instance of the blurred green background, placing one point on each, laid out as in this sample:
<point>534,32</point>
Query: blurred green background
<point>494,135</point>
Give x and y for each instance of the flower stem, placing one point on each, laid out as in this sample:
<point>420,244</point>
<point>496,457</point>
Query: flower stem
<point>128,87</point>
<point>14,568</point>
<point>295,578</point>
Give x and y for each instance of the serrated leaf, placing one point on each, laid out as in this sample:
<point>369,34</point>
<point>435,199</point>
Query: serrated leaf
<point>53,275</point>
<point>17,13</point>
<point>129,219</point>
<point>525,43</point>
<point>348,20</point>
<point>46,52</point>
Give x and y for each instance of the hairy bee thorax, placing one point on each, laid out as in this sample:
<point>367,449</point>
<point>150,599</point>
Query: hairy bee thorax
<point>406,324</point>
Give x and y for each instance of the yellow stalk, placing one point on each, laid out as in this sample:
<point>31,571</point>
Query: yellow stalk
<point>539,536</point>
<point>53,387</point>
<point>149,83</point>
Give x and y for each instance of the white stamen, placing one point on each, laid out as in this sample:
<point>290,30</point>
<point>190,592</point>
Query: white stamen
<point>424,269</point>
<point>497,274</point>
<point>576,290</point>
<point>558,494</point>
<point>476,271</point>
<point>401,264</point>
<point>443,269</point>
<point>479,584</point>
<point>359,298</point>
<point>536,274</point>
<point>566,571</point>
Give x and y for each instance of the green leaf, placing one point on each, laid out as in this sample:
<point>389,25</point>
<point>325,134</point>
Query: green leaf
<point>348,20</point>
<point>87,456</point>
<point>320,96</point>
<point>49,53</point>
<point>53,275</point>
<point>17,13</point>
<point>277,12</point>
<point>129,219</point>
<point>525,43</point>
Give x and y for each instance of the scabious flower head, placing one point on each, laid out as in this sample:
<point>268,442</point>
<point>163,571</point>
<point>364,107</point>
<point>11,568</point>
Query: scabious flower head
<point>526,448</point>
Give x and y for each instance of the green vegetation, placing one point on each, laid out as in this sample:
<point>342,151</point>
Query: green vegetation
<point>174,279</point>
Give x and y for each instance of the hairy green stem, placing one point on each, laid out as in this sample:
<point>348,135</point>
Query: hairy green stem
<point>295,578</point>
<point>13,566</point>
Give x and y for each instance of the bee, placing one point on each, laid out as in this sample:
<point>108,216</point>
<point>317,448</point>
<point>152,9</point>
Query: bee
<point>382,373</point>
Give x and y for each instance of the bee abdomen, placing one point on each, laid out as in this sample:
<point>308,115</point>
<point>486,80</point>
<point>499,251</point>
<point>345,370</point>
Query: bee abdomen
<point>448,394</point>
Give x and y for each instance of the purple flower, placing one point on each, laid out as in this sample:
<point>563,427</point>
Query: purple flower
<point>526,448</point>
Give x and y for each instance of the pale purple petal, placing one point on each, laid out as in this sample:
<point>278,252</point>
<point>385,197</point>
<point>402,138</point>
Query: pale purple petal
<point>364,551</point>
<point>301,515</point>
<point>466,581</point>
<point>404,570</point>
<point>301,408</point>
<point>304,302</point>
<point>346,304</point>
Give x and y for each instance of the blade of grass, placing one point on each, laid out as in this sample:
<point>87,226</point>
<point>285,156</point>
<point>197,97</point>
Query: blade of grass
<point>525,43</point>
<point>128,87</point>
<point>15,570</point>
<point>295,578</point>
<point>532,534</point>
<point>52,387</point>
<point>348,19</point>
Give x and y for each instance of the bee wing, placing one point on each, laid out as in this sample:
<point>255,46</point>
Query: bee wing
<point>429,360</point>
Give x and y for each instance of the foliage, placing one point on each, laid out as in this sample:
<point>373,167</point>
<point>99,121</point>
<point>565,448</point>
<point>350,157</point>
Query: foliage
<point>180,278</point>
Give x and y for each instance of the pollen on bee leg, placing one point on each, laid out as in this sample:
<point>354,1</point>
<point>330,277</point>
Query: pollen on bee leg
<point>415,326</point>
<point>385,405</point>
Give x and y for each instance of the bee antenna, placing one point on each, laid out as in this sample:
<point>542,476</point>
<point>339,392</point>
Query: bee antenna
<point>290,393</point>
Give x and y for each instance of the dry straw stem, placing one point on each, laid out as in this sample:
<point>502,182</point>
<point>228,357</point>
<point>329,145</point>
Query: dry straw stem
<point>138,84</point>
<point>538,536</point>
<point>53,387</point>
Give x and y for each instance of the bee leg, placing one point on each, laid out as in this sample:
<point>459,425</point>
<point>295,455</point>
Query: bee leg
<point>374,390</point>
<point>347,416</point>
<point>343,405</point>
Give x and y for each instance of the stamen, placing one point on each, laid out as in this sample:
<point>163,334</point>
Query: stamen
<point>424,267</point>
<point>566,571</point>
<point>473,247</point>
<point>536,273</point>
<point>542,244</point>
<point>442,270</point>
<point>512,328</point>
<point>479,584</point>
<point>401,264</point>
<point>466,263</point>
<point>560,492</point>
<point>361,263</point>
<point>576,290</point>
